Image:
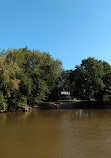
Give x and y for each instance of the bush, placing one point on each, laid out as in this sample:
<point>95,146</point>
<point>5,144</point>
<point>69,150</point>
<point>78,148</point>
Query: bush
<point>3,105</point>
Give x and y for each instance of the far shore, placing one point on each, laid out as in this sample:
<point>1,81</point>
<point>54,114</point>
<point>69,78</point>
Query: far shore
<point>63,104</point>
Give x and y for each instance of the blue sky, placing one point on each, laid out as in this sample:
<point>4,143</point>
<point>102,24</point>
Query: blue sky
<point>70,30</point>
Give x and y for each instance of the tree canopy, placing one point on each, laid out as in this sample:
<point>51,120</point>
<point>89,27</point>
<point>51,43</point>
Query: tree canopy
<point>27,77</point>
<point>92,80</point>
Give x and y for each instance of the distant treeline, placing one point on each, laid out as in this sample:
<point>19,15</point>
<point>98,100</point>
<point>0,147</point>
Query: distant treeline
<point>28,77</point>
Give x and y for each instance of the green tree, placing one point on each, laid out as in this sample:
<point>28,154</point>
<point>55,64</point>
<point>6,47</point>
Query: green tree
<point>9,83</point>
<point>39,73</point>
<point>92,79</point>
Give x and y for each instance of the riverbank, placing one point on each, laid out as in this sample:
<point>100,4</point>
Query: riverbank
<point>63,105</point>
<point>21,109</point>
<point>74,105</point>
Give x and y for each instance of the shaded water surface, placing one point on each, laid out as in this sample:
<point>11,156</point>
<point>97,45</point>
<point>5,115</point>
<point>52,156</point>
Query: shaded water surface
<point>56,134</point>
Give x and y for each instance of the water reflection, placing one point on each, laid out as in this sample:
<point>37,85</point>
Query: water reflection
<point>82,113</point>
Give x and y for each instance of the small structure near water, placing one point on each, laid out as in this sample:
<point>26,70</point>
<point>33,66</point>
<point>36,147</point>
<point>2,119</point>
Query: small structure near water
<point>65,95</point>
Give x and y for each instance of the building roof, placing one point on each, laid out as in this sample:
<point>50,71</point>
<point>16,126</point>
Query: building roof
<point>65,93</point>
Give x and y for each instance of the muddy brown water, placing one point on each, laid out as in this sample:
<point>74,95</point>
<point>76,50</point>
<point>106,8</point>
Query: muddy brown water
<point>56,134</point>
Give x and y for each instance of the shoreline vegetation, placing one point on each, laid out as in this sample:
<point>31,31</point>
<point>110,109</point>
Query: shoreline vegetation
<point>31,80</point>
<point>69,104</point>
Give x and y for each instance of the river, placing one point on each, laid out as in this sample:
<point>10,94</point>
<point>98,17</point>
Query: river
<point>56,134</point>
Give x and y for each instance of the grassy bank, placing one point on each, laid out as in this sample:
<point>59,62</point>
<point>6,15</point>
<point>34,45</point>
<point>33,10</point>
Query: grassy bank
<point>75,104</point>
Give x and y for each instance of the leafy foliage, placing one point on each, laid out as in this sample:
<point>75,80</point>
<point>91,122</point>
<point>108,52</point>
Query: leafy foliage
<point>27,77</point>
<point>92,80</point>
